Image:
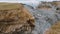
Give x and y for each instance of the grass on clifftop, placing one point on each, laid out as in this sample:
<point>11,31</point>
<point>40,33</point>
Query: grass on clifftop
<point>7,6</point>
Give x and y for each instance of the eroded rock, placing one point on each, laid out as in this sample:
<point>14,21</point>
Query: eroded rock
<point>55,29</point>
<point>15,19</point>
<point>44,6</point>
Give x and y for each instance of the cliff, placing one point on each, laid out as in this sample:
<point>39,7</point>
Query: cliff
<point>15,19</point>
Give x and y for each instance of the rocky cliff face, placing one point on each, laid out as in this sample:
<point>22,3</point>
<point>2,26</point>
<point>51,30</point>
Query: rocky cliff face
<point>15,19</point>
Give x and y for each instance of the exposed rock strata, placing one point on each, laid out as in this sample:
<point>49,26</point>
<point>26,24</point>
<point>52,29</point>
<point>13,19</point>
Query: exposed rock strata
<point>15,19</point>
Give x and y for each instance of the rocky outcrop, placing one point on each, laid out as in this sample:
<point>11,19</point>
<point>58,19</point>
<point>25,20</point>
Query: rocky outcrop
<point>15,19</point>
<point>55,29</point>
<point>44,6</point>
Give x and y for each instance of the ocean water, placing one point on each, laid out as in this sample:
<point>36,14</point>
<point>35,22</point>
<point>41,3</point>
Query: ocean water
<point>44,19</point>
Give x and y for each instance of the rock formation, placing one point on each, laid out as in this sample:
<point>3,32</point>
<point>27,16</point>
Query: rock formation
<point>15,19</point>
<point>44,6</point>
<point>55,29</point>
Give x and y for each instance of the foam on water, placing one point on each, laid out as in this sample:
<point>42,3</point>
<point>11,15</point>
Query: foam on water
<point>41,16</point>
